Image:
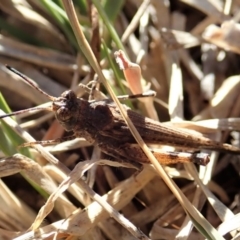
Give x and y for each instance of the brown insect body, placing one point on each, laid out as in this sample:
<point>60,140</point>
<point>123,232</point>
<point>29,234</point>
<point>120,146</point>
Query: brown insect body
<point>101,122</point>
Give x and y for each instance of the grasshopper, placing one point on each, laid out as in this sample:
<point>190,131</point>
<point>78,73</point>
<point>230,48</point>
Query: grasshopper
<point>100,121</point>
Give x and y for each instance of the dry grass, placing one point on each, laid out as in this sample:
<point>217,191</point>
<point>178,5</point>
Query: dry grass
<point>188,51</point>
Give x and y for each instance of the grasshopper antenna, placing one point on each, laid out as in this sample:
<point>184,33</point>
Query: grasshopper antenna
<point>147,94</point>
<point>29,81</point>
<point>34,109</point>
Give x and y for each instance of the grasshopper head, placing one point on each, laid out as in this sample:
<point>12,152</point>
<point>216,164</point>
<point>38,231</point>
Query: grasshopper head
<point>66,109</point>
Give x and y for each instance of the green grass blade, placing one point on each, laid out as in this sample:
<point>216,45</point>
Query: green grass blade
<point>107,22</point>
<point>117,72</point>
<point>113,8</point>
<point>9,140</point>
<point>61,18</point>
<point>81,5</point>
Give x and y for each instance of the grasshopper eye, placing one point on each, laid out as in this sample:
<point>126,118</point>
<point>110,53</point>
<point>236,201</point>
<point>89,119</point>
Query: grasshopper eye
<point>64,114</point>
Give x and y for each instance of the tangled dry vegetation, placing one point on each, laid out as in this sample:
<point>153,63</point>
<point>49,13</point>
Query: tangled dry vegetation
<point>188,52</point>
